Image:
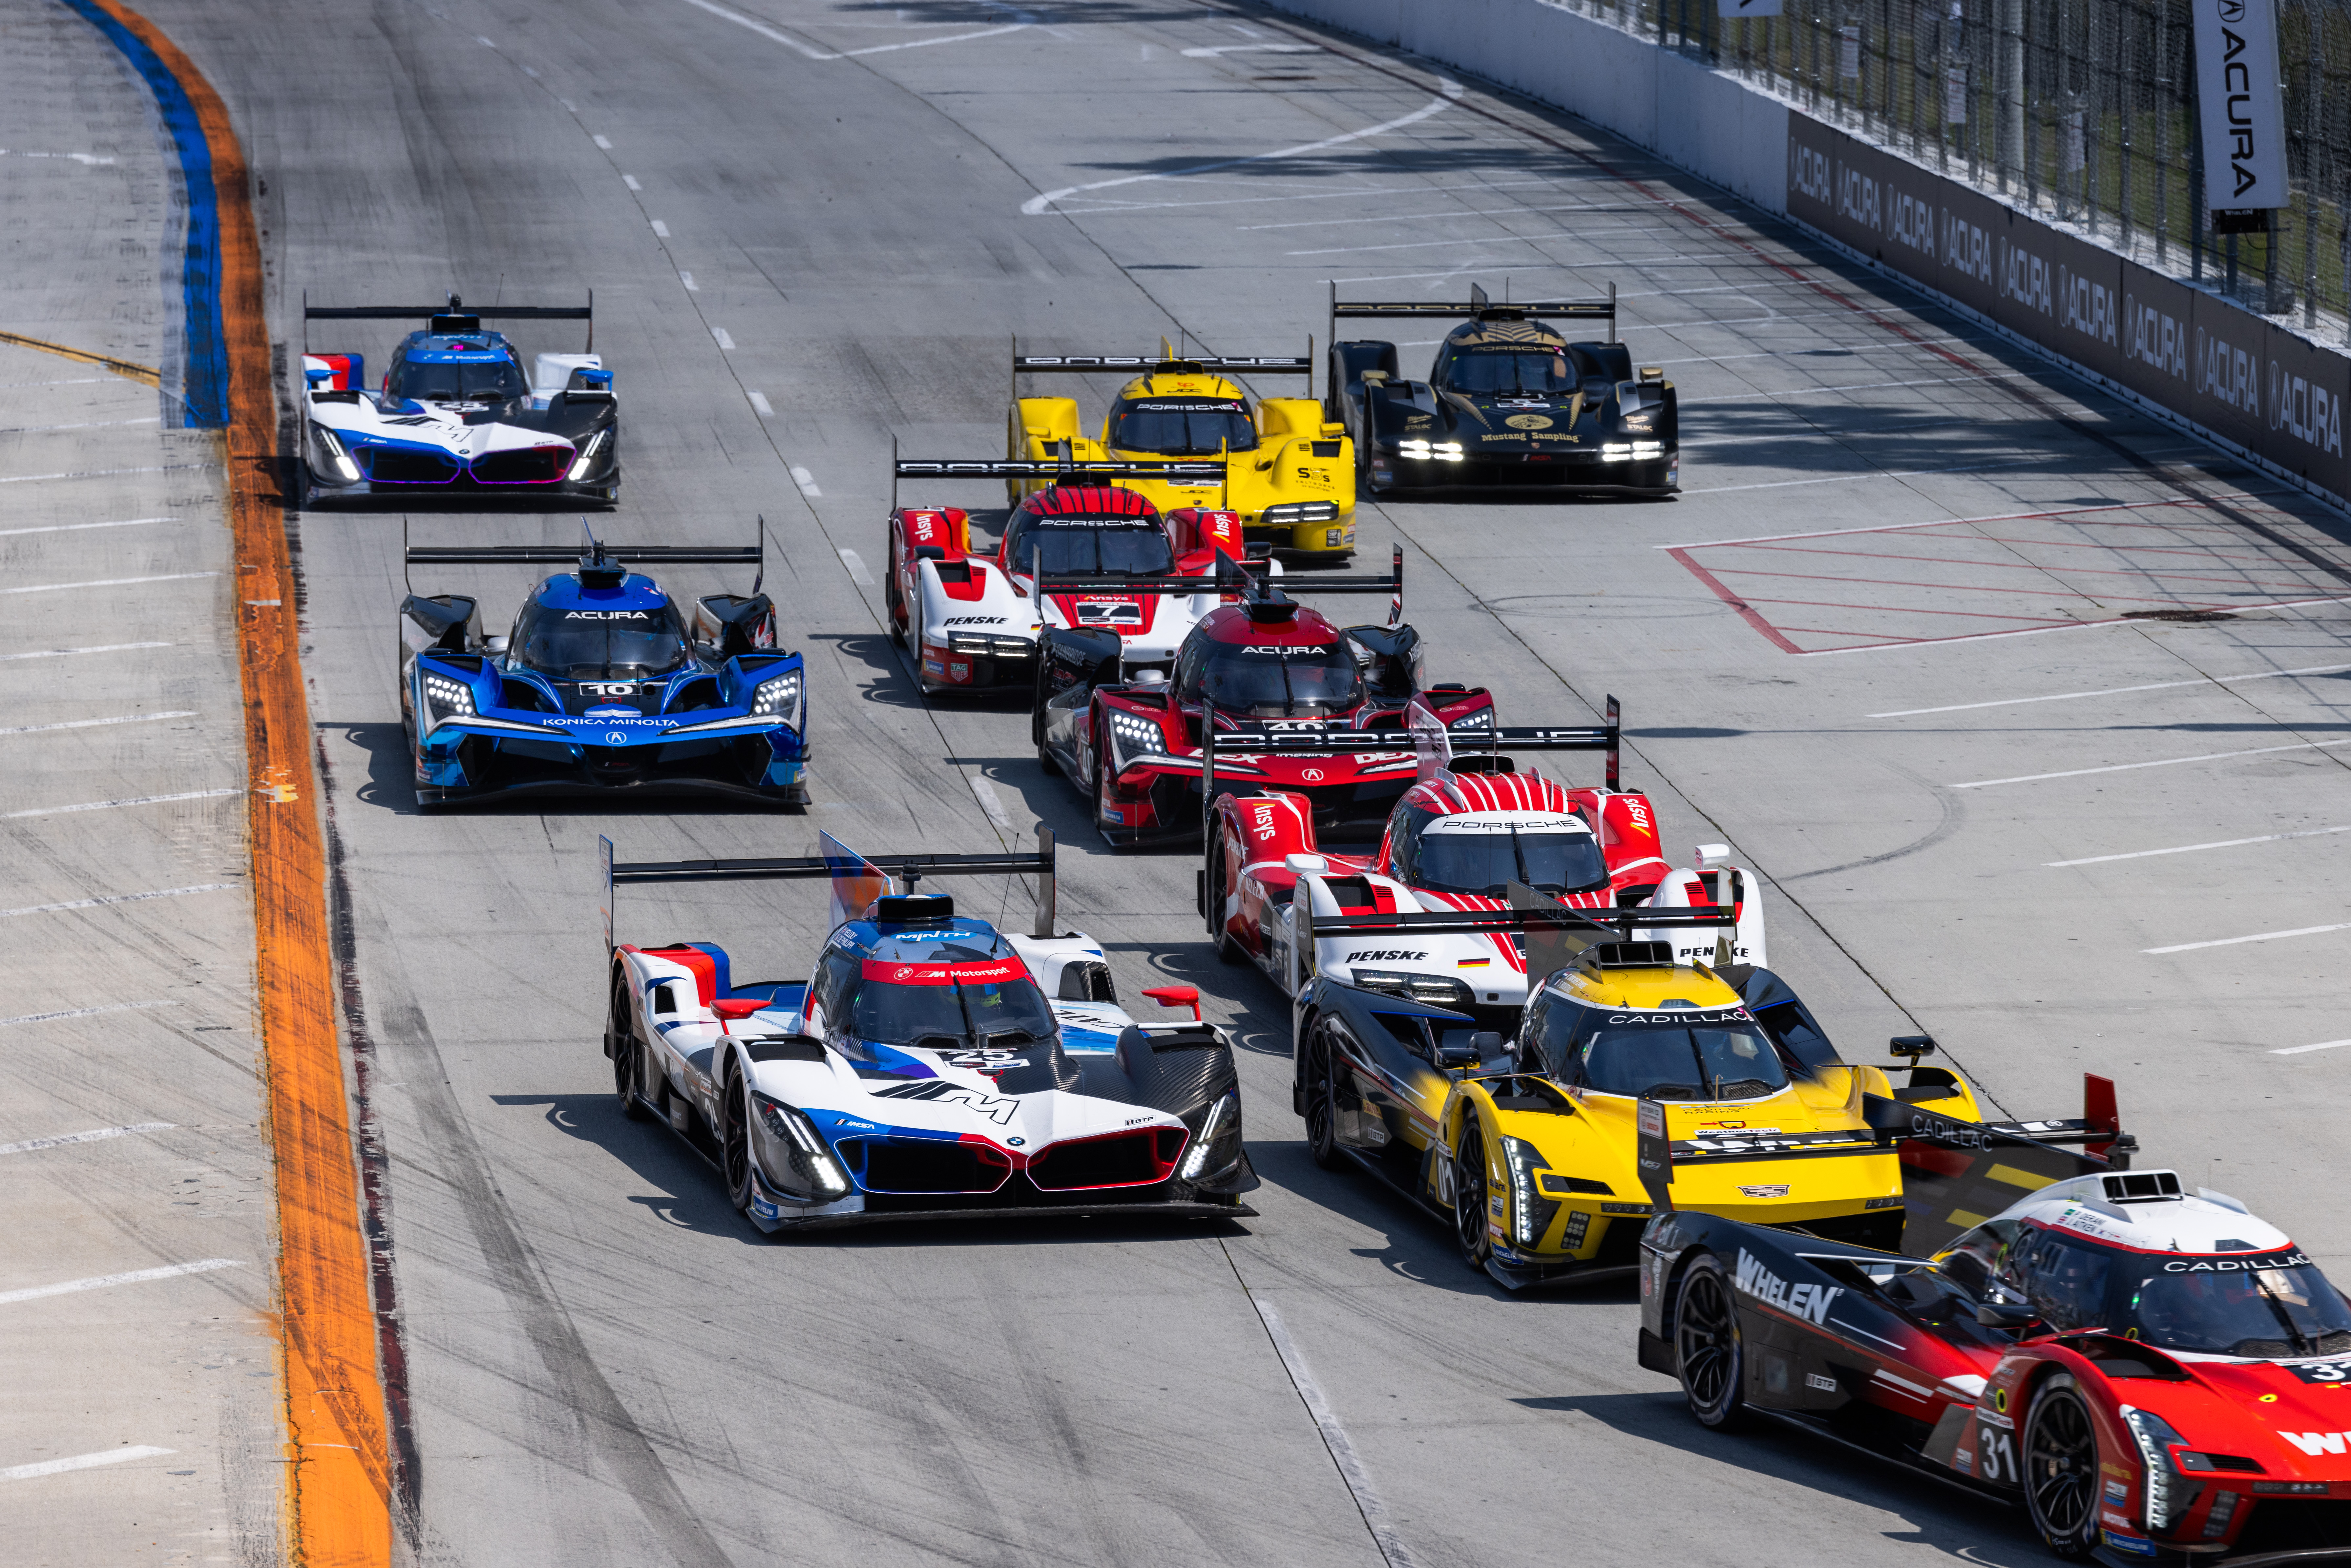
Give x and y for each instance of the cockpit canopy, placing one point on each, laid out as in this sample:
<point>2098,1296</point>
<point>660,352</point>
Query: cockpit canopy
<point>1182,426</point>
<point>1082,546</point>
<point>569,633</point>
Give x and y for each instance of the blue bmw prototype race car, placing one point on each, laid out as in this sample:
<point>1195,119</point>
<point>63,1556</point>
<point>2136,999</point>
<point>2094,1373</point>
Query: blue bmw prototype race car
<point>930,1067</point>
<point>456,414</point>
<point>603,684</point>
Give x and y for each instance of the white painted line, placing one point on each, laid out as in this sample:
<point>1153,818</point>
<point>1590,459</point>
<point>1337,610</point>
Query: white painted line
<point>2163,762</point>
<point>75,528</point>
<point>1451,91</point>
<point>2185,848</point>
<point>2298,1049</point>
<point>80,1462</point>
<point>116,898</point>
<point>856,565</point>
<point>985,793</point>
<point>110,582</point>
<point>2116,691</point>
<point>806,481</point>
<point>725,342</point>
<point>63,382</point>
<point>95,1134</point>
<point>132,800</point>
<point>1872,474</point>
<point>1253,48</point>
<point>484,42</point>
<point>104,472</point>
<point>600,142</point>
<point>661,228</point>
<point>83,1012</point>
<point>102,1282</point>
<point>687,278</point>
<point>1477,213</point>
<point>1971,637</point>
<point>82,424</point>
<point>631,182</point>
<point>93,723</point>
<point>2257,936</point>
<point>809,52</point>
<point>99,648</point>
<point>759,404</point>
<point>1844,387</point>
<point>1334,1437</point>
<point>1950,522</point>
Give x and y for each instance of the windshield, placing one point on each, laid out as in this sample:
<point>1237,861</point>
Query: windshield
<point>492,382</point>
<point>946,1011</point>
<point>1182,426</point>
<point>1506,370</point>
<point>2272,1306</point>
<point>1489,860</point>
<point>1065,547</point>
<point>1717,1053</point>
<point>597,644</point>
<point>1273,683</point>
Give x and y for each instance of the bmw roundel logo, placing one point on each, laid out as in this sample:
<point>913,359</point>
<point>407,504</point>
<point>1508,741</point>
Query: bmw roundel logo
<point>904,971</point>
<point>1015,1143</point>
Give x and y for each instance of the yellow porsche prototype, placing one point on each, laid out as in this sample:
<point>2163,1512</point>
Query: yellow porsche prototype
<point>1531,1148</point>
<point>1288,473</point>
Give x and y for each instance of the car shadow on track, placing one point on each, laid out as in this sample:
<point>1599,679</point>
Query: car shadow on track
<point>1968,1527</point>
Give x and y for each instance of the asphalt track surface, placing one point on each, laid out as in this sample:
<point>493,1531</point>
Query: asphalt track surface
<point>1879,646</point>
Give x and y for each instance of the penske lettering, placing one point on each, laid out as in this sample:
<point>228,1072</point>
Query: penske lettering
<point>1810,1303</point>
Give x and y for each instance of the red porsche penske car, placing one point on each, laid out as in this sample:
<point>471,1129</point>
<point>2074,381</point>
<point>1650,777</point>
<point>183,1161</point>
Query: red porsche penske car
<point>1132,740</point>
<point>2154,1375</point>
<point>972,617</point>
<point>1468,827</point>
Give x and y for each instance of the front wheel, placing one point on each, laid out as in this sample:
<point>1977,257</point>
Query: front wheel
<point>736,1146</point>
<point>894,604</point>
<point>620,1038</point>
<point>1322,1097</point>
<point>1469,1201</point>
<point>1707,1345</point>
<point>2061,1468</point>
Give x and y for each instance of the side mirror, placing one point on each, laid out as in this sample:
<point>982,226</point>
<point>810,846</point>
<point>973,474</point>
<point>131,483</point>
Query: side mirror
<point>442,624</point>
<point>1177,997</point>
<point>1450,1058</point>
<point>1487,1043</point>
<point>497,643</point>
<point>735,624</point>
<point>1305,865</point>
<point>2003,1315</point>
<point>730,1009</point>
<point>1913,1046</point>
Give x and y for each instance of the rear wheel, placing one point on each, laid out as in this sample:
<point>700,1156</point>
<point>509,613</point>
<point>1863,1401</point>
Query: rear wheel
<point>894,604</point>
<point>1322,1097</point>
<point>1469,1194</point>
<point>620,1039</point>
<point>734,1144</point>
<point>1228,951</point>
<point>1707,1345</point>
<point>2060,1467</point>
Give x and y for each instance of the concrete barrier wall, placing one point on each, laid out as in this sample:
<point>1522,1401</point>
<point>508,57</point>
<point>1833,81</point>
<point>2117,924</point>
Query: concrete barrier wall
<point>2183,353</point>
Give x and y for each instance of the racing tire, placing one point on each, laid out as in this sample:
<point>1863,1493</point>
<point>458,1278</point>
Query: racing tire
<point>1321,1099</point>
<point>627,1074</point>
<point>1227,950</point>
<point>1100,789</point>
<point>1707,1349</point>
<point>306,486</point>
<point>2059,1467</point>
<point>1470,1200</point>
<point>734,1144</point>
<point>894,604</point>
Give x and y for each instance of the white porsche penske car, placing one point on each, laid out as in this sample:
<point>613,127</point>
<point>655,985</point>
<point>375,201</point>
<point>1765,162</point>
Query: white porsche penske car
<point>1440,883</point>
<point>1082,552</point>
<point>931,1066</point>
<point>456,415</point>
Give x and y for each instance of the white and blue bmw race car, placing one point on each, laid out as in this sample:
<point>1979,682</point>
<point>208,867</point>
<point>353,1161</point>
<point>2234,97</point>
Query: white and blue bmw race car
<point>456,414</point>
<point>930,1067</point>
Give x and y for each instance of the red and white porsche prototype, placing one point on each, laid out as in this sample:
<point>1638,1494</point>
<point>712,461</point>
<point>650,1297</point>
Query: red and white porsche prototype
<point>1470,826</point>
<point>973,619</point>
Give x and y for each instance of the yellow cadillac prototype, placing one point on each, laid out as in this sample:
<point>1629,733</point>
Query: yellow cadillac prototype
<point>1288,473</point>
<point>1528,1147</point>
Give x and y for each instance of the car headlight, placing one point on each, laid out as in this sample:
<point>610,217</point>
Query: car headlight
<point>1439,991</point>
<point>2168,1492</point>
<point>779,697</point>
<point>1530,1212</point>
<point>1131,735</point>
<point>1218,1144</point>
<point>587,458</point>
<point>1631,451</point>
<point>804,1164</point>
<point>1482,719</point>
<point>333,450</point>
<point>1291,512</point>
<point>445,699</point>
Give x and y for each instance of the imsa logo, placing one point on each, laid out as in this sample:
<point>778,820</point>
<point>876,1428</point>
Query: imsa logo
<point>1810,1303</point>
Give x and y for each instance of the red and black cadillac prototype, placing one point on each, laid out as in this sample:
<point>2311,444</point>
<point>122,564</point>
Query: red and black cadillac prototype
<point>1470,826</point>
<point>1111,563</point>
<point>2156,1375</point>
<point>1265,666</point>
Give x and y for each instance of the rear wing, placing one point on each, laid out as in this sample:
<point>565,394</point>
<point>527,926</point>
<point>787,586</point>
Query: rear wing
<point>1479,309</point>
<point>1434,743</point>
<point>1167,361</point>
<point>456,317</point>
<point>1234,577</point>
<point>591,554</point>
<point>1552,928</point>
<point>1061,471</point>
<point>857,879</point>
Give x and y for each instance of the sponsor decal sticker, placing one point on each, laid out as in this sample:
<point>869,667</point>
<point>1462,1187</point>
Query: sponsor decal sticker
<point>1528,421</point>
<point>2316,1443</point>
<point>1808,1301</point>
